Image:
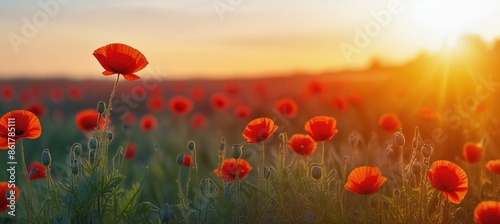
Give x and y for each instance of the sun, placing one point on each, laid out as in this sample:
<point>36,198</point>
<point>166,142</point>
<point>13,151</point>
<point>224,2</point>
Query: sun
<point>447,19</point>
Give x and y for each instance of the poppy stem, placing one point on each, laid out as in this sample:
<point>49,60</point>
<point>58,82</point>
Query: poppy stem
<point>261,171</point>
<point>237,193</point>
<point>29,199</point>
<point>323,158</point>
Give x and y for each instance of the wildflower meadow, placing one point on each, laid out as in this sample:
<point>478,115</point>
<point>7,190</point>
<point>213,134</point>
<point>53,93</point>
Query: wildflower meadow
<point>326,148</point>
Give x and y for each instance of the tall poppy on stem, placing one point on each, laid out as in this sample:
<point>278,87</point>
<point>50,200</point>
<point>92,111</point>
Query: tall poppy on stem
<point>180,105</point>
<point>472,152</point>
<point>303,145</point>
<point>487,212</point>
<point>257,131</point>
<point>287,107</point>
<point>23,124</point>
<point>493,166</point>
<point>389,123</point>
<point>364,180</point>
<point>321,129</point>
<point>450,179</point>
<point>86,120</point>
<point>36,171</point>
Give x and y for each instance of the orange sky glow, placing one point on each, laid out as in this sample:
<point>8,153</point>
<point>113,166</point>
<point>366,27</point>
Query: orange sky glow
<point>222,38</point>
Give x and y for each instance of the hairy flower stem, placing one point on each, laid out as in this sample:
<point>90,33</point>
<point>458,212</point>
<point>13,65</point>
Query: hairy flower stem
<point>238,199</point>
<point>107,114</point>
<point>29,199</point>
<point>261,167</point>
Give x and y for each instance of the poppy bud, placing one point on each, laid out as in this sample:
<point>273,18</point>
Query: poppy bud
<point>184,160</point>
<point>374,200</point>
<point>46,157</point>
<point>267,172</point>
<point>399,139</point>
<point>237,151</point>
<point>416,168</point>
<point>77,149</point>
<point>110,136</point>
<point>93,143</point>
<point>427,150</point>
<point>74,167</point>
<point>100,107</point>
<point>165,214</point>
<point>222,145</point>
<point>191,145</point>
<point>316,172</point>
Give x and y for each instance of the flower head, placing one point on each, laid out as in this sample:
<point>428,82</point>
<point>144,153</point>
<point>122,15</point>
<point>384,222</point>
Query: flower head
<point>198,121</point>
<point>302,144</point>
<point>86,120</point>
<point>493,166</point>
<point>259,130</point>
<point>229,169</point>
<point>340,103</point>
<point>487,212</point>
<point>242,112</point>
<point>122,59</point>
<point>364,180</point>
<point>180,105</point>
<point>26,125</point>
<point>6,191</point>
<point>130,151</point>
<point>471,152</point>
<point>219,101</point>
<point>155,103</point>
<point>389,123</point>
<point>148,122</point>
<point>37,109</point>
<point>36,171</point>
<point>450,179</point>
<point>287,107</point>
<point>321,128</point>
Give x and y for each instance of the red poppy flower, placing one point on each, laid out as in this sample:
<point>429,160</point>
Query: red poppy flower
<point>130,151</point>
<point>259,130</point>
<point>86,120</point>
<point>481,107</point>
<point>493,166</point>
<point>219,101</point>
<point>321,128</point>
<point>148,122</point>
<point>427,114</point>
<point>229,169</point>
<point>129,118</point>
<point>340,103</point>
<point>242,112</point>
<point>37,109</point>
<point>5,195</point>
<point>120,59</point>
<point>303,145</point>
<point>36,171</point>
<point>57,95</point>
<point>231,88</point>
<point>7,93</point>
<point>180,105</point>
<point>197,93</point>
<point>487,212</point>
<point>364,180</point>
<point>186,160</point>
<point>26,125</point>
<point>450,179</point>
<point>155,103</point>
<point>389,123</point>
<point>315,87</point>
<point>75,93</point>
<point>139,92</point>
<point>287,107</point>
<point>198,121</point>
<point>471,152</point>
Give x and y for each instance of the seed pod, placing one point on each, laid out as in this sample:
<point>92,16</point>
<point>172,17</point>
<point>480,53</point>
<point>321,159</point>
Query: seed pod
<point>74,167</point>
<point>237,151</point>
<point>191,145</point>
<point>46,157</point>
<point>399,139</point>
<point>427,150</point>
<point>100,107</point>
<point>93,143</point>
<point>374,201</point>
<point>267,172</point>
<point>316,172</point>
<point>416,168</point>
<point>77,149</point>
<point>184,160</point>
<point>110,136</point>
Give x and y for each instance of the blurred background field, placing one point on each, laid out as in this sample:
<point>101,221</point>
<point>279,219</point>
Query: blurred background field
<point>436,91</point>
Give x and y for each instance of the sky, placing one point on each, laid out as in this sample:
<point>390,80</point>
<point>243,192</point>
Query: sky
<point>231,38</point>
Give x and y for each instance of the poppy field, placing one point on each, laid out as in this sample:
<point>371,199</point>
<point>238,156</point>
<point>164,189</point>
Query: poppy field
<point>415,143</point>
